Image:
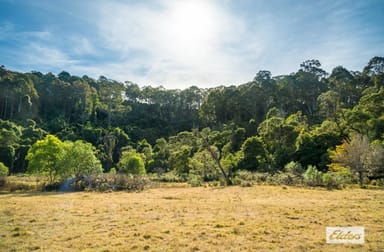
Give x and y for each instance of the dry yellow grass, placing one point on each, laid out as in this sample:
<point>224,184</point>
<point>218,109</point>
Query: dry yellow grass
<point>259,218</point>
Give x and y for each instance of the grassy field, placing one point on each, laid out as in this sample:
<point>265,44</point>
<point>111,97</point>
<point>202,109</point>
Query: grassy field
<point>259,218</point>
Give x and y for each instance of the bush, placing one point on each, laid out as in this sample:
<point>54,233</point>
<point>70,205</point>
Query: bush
<point>3,181</point>
<point>13,186</point>
<point>130,183</point>
<point>3,174</point>
<point>22,183</point>
<point>255,177</point>
<point>312,176</point>
<point>284,178</point>
<point>113,171</point>
<point>380,182</point>
<point>294,168</point>
<point>171,177</point>
<point>133,165</point>
<point>260,178</point>
<point>193,179</point>
<point>332,180</point>
<point>110,182</point>
<point>246,183</point>
<point>377,182</point>
<point>3,170</point>
<point>237,180</point>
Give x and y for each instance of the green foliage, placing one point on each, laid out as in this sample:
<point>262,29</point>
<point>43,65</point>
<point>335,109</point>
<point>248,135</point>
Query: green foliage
<point>312,147</point>
<point>161,153</point>
<point>146,149</point>
<point>294,168</point>
<point>171,176</point>
<point>116,182</point>
<point>132,163</point>
<point>204,165</point>
<point>194,180</point>
<point>45,156</point>
<point>332,180</point>
<point>254,177</point>
<point>80,158</point>
<point>3,170</point>
<point>180,160</point>
<point>60,160</point>
<point>261,125</point>
<point>253,154</point>
<point>284,178</point>
<point>312,176</point>
<point>279,135</point>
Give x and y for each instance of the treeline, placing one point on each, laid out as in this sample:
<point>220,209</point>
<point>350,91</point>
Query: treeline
<point>310,117</point>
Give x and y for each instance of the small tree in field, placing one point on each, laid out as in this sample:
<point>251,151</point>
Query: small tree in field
<point>312,176</point>
<point>352,154</point>
<point>45,156</point>
<point>60,160</point>
<point>80,159</point>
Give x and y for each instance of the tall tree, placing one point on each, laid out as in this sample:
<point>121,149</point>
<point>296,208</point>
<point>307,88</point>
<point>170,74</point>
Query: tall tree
<point>79,158</point>
<point>45,156</point>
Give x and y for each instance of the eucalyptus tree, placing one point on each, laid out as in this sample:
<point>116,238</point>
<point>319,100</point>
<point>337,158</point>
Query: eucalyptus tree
<point>45,157</point>
<point>18,96</point>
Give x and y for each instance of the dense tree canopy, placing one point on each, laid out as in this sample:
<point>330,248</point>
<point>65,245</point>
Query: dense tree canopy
<point>261,125</point>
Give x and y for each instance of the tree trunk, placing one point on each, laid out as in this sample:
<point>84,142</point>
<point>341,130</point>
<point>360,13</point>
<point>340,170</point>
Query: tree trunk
<point>361,178</point>
<point>217,160</point>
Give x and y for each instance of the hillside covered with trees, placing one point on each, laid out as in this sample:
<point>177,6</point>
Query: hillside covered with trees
<point>308,122</point>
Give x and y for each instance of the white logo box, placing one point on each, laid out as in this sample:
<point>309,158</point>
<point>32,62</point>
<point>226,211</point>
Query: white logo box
<point>351,235</point>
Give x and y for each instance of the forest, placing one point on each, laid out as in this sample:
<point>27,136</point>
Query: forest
<point>312,126</point>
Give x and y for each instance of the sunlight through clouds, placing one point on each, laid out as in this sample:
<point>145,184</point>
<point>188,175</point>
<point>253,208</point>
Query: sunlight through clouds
<point>179,43</point>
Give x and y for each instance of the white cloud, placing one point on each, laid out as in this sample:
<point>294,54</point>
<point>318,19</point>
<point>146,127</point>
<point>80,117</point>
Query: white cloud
<point>81,45</point>
<point>37,54</point>
<point>180,43</point>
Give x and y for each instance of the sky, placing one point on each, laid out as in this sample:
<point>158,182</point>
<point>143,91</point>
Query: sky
<point>180,43</point>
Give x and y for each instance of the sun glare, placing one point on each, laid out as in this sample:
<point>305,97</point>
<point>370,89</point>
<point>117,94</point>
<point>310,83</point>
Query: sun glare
<point>191,28</point>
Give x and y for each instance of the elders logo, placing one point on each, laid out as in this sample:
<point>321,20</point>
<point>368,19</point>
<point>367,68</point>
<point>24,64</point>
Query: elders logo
<point>353,235</point>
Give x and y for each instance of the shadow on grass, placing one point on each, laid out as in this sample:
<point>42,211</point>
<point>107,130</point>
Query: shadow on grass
<point>34,193</point>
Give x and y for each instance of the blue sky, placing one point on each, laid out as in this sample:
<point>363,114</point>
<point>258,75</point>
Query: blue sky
<point>179,43</point>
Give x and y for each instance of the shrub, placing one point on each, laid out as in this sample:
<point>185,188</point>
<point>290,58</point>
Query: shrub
<point>130,183</point>
<point>109,182</point>
<point>380,182</point>
<point>294,168</point>
<point>260,178</point>
<point>193,179</point>
<point>236,180</point>
<point>377,182</point>
<point>3,170</point>
<point>284,178</point>
<point>312,176</point>
<point>332,180</point>
<point>246,183</point>
<point>255,177</point>
<point>133,164</point>
<point>171,176</point>
<point>3,174</point>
